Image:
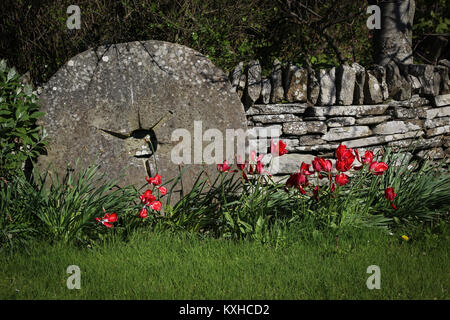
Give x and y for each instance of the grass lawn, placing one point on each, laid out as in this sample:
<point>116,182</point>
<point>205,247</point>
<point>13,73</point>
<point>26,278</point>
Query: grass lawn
<point>179,266</point>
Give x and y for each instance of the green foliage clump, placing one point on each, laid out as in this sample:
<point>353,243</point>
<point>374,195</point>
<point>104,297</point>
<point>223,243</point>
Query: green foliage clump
<point>20,138</point>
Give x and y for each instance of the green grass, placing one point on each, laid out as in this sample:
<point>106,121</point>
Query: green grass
<point>179,266</point>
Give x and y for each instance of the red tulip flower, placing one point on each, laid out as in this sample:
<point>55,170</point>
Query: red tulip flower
<point>147,197</point>
<point>345,158</point>
<point>278,149</point>
<point>108,219</point>
<point>156,205</point>
<point>368,157</point>
<point>304,169</point>
<point>223,167</point>
<point>378,168</point>
<point>143,213</point>
<point>155,181</point>
<point>326,165</point>
<point>341,179</point>
<point>241,166</point>
<point>162,190</point>
<point>390,195</point>
<point>316,164</point>
<point>297,180</point>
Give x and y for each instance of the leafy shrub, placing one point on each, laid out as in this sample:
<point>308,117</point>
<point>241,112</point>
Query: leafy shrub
<point>64,209</point>
<point>20,138</point>
<point>16,228</point>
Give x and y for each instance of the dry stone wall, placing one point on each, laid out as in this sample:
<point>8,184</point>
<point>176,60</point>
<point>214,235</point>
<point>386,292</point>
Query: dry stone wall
<point>399,106</point>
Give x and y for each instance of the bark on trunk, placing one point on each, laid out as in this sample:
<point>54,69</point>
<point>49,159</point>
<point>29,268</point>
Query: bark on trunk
<point>394,40</point>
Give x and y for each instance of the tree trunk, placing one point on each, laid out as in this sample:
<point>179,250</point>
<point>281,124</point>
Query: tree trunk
<point>394,40</point>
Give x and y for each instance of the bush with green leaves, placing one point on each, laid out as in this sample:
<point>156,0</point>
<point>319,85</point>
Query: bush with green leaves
<point>16,227</point>
<point>63,209</point>
<point>20,138</point>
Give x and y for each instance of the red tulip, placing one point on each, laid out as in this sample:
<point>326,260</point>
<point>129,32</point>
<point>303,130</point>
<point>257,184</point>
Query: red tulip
<point>332,187</point>
<point>147,197</point>
<point>162,190</point>
<point>259,167</point>
<point>390,195</point>
<point>223,167</point>
<point>108,219</point>
<point>304,169</point>
<point>111,217</point>
<point>156,205</point>
<point>345,158</point>
<point>155,181</point>
<point>344,166</point>
<point>341,179</point>
<point>368,157</point>
<point>316,164</point>
<point>241,166</point>
<point>143,213</point>
<point>278,149</point>
<point>297,180</point>
<point>378,168</point>
<point>326,165</point>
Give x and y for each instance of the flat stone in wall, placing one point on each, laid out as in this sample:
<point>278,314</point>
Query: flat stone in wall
<point>277,93</point>
<point>398,87</point>
<point>429,80</point>
<point>284,108</point>
<point>345,84</point>
<point>313,87</point>
<point>437,122</point>
<point>372,120</point>
<point>444,79</point>
<point>253,89</point>
<point>415,102</point>
<point>441,100</point>
<point>360,79</point>
<point>303,127</point>
<point>436,112</point>
<point>438,131</point>
<point>336,111</point>
<point>405,113</point>
<point>235,75</point>
<point>275,118</point>
<point>380,73</point>
<point>340,121</point>
<point>415,143</point>
<point>344,133</point>
<point>241,85</point>
<point>396,126</point>
<point>296,84</point>
<point>372,89</point>
<point>310,140</point>
<point>266,88</point>
<point>327,81</point>
<point>379,140</point>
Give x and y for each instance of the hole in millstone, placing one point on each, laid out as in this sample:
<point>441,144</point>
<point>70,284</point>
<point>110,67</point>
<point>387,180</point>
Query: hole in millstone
<point>149,137</point>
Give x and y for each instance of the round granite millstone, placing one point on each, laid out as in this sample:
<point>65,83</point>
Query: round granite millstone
<point>105,104</point>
